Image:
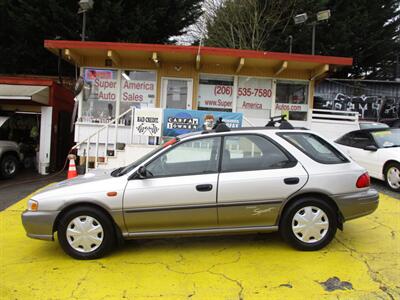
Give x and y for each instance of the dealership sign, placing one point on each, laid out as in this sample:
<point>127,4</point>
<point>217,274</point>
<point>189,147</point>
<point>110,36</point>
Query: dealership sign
<point>138,91</point>
<point>148,122</point>
<point>181,121</point>
<point>254,94</point>
<point>215,93</point>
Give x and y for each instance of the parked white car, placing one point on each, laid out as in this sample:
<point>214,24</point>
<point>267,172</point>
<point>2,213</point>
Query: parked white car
<point>377,150</point>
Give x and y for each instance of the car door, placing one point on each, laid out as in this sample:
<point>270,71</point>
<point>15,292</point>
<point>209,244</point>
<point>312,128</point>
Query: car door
<point>179,192</point>
<point>256,176</point>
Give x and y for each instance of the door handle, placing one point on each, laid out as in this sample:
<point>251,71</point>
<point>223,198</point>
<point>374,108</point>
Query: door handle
<point>291,180</point>
<point>204,187</point>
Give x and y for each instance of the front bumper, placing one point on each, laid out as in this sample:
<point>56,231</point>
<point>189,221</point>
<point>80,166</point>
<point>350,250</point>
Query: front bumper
<point>357,204</point>
<point>39,224</point>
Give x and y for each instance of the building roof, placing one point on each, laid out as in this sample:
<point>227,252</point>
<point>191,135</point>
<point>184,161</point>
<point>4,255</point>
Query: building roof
<point>80,52</point>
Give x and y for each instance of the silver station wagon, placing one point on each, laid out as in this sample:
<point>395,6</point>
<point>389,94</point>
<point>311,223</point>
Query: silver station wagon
<point>212,182</point>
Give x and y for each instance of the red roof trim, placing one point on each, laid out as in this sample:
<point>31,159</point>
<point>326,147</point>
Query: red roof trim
<point>333,60</point>
<point>25,81</point>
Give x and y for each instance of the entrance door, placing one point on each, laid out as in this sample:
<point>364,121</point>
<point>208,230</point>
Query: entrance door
<point>177,93</point>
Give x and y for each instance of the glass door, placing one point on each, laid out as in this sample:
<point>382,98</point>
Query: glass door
<point>177,93</point>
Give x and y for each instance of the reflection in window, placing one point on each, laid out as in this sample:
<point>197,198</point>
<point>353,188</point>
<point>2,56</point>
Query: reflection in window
<point>191,157</point>
<point>99,100</point>
<point>292,99</point>
<point>251,152</point>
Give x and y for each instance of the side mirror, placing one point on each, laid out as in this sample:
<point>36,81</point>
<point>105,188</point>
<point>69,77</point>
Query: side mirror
<point>141,173</point>
<point>371,148</point>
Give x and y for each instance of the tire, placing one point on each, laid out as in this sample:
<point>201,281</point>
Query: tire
<point>303,239</point>
<point>392,176</point>
<point>9,166</point>
<point>102,238</point>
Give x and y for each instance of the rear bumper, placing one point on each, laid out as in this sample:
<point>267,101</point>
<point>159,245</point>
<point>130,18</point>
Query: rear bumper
<point>39,224</point>
<point>357,204</point>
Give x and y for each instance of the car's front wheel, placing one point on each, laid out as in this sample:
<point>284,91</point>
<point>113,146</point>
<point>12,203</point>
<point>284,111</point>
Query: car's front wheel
<point>392,176</point>
<point>86,233</point>
<point>308,224</point>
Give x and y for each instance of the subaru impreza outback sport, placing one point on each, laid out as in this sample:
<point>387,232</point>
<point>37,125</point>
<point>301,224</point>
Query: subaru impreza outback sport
<point>211,182</point>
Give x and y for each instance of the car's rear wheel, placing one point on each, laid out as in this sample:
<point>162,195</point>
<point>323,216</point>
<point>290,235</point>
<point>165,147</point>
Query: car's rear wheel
<point>86,233</point>
<point>8,166</point>
<point>392,176</point>
<point>308,224</point>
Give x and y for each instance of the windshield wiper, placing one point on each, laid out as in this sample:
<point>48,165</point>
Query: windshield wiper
<point>392,146</point>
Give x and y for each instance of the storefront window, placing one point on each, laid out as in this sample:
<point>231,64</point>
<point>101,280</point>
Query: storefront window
<point>254,99</point>
<point>215,93</point>
<point>292,100</point>
<point>138,88</point>
<point>99,100</point>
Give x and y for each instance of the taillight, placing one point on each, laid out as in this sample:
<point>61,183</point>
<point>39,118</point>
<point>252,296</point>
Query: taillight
<point>363,181</point>
<point>170,142</point>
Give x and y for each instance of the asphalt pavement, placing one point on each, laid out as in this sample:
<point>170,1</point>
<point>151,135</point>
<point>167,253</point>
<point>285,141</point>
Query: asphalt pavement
<point>25,183</point>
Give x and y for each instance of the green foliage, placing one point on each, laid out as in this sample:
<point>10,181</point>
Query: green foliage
<point>363,29</point>
<point>25,24</point>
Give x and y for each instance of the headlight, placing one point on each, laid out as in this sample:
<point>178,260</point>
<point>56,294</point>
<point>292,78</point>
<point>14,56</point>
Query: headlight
<point>33,205</point>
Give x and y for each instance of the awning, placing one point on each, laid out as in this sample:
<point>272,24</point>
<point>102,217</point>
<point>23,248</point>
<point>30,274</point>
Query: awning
<point>36,93</point>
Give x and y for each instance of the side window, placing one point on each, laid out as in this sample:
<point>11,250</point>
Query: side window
<point>314,147</point>
<point>199,156</point>
<point>361,140</point>
<point>251,152</point>
<point>345,140</point>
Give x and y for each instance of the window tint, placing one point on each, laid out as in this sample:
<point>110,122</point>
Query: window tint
<point>252,152</point>
<point>192,157</point>
<point>345,140</point>
<point>361,140</point>
<point>314,147</point>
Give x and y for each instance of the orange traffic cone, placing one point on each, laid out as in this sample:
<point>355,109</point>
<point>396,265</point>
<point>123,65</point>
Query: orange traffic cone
<point>72,168</point>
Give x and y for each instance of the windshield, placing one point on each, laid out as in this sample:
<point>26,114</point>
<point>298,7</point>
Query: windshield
<point>387,138</point>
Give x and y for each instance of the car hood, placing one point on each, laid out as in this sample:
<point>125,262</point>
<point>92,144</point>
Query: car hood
<point>92,176</point>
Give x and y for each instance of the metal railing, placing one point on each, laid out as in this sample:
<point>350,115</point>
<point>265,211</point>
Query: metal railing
<point>96,134</point>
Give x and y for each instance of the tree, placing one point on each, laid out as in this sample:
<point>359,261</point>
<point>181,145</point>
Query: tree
<point>363,29</point>
<point>245,24</point>
<point>27,23</point>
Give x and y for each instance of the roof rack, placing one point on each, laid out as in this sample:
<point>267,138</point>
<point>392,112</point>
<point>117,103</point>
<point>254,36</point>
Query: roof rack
<point>284,124</point>
<point>220,126</point>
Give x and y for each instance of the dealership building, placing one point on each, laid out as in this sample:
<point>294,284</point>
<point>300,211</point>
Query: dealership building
<point>257,84</point>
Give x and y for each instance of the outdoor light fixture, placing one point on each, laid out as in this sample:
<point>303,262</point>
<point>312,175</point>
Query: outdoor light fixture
<point>84,6</point>
<point>323,15</point>
<point>301,18</point>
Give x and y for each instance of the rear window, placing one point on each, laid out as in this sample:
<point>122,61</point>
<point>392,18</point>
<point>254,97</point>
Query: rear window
<point>314,147</point>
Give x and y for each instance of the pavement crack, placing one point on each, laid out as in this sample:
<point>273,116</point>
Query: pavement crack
<point>374,275</point>
<point>78,284</point>
<point>237,282</point>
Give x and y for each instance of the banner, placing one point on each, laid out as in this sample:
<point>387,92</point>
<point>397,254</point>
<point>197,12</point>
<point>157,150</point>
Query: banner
<point>181,121</point>
<point>148,122</point>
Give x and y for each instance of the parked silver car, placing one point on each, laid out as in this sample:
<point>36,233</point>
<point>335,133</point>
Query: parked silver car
<point>220,181</point>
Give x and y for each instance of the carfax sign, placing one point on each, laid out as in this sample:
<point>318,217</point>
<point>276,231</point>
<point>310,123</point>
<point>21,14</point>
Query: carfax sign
<point>181,121</point>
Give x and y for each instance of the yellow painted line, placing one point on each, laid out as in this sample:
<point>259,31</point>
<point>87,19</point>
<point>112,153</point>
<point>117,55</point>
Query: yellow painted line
<point>366,255</point>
